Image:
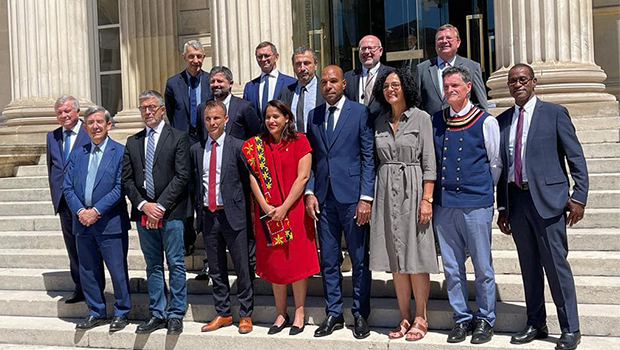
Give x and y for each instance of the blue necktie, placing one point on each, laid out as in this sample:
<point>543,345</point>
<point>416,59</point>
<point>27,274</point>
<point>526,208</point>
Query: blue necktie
<point>93,165</point>
<point>148,171</point>
<point>67,145</point>
<point>265,94</point>
<point>330,124</point>
<point>193,101</point>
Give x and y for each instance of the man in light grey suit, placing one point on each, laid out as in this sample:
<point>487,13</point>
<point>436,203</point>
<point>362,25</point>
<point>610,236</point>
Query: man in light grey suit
<point>428,78</point>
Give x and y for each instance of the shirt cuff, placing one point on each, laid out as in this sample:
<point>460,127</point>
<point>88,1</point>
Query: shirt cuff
<point>576,201</point>
<point>139,207</point>
<point>501,209</point>
<point>366,198</point>
<point>97,210</point>
<point>308,192</point>
<point>160,207</point>
<point>80,210</point>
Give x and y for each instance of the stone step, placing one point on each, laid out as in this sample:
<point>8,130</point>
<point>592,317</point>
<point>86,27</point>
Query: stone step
<point>598,136</point>
<point>578,240</point>
<point>42,160</point>
<point>603,165</point>
<point>25,195</point>
<point>601,150</point>
<point>55,332</point>
<point>26,208</point>
<point>590,290</point>
<point>602,123</point>
<point>31,170</point>
<point>600,218</point>
<point>602,182</point>
<point>603,198</point>
<point>24,182</point>
<point>594,319</point>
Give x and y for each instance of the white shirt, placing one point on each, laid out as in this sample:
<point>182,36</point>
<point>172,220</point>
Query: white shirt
<point>74,132</point>
<point>206,161</point>
<point>491,136</point>
<point>226,102</point>
<point>156,136</point>
<point>273,80</point>
<point>364,79</point>
<point>527,120</point>
<point>440,70</point>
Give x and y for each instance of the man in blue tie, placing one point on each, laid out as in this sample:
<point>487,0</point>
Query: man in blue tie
<point>92,188</point>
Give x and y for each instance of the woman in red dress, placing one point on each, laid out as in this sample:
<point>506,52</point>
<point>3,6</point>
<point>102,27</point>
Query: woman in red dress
<point>279,162</point>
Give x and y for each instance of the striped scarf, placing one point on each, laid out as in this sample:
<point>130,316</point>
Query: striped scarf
<point>458,122</point>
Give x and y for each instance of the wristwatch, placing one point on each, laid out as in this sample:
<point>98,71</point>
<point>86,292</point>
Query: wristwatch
<point>429,199</point>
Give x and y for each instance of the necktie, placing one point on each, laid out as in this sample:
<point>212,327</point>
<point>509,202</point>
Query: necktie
<point>330,124</point>
<point>148,171</point>
<point>67,145</point>
<point>193,101</point>
<point>300,110</point>
<point>93,165</point>
<point>265,93</point>
<point>368,87</point>
<point>446,64</point>
<point>518,145</point>
<point>212,170</point>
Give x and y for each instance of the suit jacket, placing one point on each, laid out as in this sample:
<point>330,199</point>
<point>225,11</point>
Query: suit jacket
<point>346,162</point>
<point>428,83</point>
<point>107,196</point>
<point>243,121</point>
<point>351,91</point>
<point>551,141</point>
<point>252,89</point>
<point>177,98</point>
<point>286,95</point>
<point>234,182</point>
<point>171,171</point>
<point>56,165</point>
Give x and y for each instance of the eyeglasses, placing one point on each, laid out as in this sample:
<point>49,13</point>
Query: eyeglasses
<point>263,56</point>
<point>369,48</point>
<point>151,108</point>
<point>520,80</point>
<point>394,86</point>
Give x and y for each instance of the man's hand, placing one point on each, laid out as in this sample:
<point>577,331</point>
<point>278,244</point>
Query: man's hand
<point>312,206</point>
<point>151,224</point>
<point>575,214</point>
<point>425,213</point>
<point>152,211</point>
<point>502,222</point>
<point>362,212</point>
<point>88,217</point>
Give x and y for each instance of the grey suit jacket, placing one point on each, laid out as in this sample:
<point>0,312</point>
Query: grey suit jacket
<point>428,83</point>
<point>351,91</point>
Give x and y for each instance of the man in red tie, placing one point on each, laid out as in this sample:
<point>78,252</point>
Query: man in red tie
<point>220,183</point>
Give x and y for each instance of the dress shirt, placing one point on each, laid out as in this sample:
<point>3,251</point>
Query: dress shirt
<point>309,98</point>
<point>364,79</point>
<point>527,120</point>
<point>198,88</point>
<point>219,149</point>
<point>92,151</point>
<point>490,134</point>
<point>440,70</point>
<point>273,79</point>
<point>74,131</point>
<point>158,130</point>
<point>226,102</point>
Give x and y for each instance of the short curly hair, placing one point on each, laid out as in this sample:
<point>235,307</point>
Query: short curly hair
<point>407,84</point>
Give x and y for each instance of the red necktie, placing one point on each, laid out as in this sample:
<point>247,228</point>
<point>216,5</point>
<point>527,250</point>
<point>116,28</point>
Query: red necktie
<point>212,170</point>
<point>518,146</point>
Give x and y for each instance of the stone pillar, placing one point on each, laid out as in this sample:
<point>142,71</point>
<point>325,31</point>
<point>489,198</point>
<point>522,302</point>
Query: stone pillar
<point>49,51</point>
<point>149,55</point>
<point>555,37</point>
<point>238,26</point>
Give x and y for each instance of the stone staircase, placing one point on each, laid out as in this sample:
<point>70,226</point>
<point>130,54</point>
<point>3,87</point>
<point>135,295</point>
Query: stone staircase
<point>34,278</point>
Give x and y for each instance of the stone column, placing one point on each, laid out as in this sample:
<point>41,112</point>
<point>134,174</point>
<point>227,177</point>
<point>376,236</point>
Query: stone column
<point>149,55</point>
<point>238,26</point>
<point>555,37</point>
<point>49,50</point>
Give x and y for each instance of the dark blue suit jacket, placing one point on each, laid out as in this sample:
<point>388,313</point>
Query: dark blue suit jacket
<point>251,89</point>
<point>177,98</point>
<point>107,196</point>
<point>56,164</point>
<point>347,162</point>
<point>551,140</point>
<point>243,120</point>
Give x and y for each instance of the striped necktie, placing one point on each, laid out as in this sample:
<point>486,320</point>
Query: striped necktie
<point>93,165</point>
<point>150,155</point>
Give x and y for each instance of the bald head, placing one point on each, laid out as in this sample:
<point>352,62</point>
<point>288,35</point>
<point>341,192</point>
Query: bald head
<point>332,84</point>
<point>370,51</point>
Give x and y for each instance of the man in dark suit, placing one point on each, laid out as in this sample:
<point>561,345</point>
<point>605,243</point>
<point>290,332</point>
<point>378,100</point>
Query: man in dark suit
<point>219,182</point>
<point>270,77</point>
<point>361,81</point>
<point>339,196</point>
<point>156,171</point>
<point>428,73</point>
<point>92,188</point>
<point>303,95</point>
<point>537,139</point>
<point>60,145</point>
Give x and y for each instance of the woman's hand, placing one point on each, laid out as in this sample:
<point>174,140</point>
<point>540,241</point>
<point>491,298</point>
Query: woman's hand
<point>278,214</point>
<point>425,213</point>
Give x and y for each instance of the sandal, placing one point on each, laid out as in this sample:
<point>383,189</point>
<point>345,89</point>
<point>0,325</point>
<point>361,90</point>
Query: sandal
<point>400,330</point>
<point>417,331</point>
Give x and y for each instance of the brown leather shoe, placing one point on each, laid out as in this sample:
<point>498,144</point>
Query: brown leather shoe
<point>216,323</point>
<point>245,325</point>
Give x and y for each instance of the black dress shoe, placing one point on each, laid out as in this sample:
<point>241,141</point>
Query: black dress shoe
<point>483,332</point>
<point>118,323</point>
<point>175,326</point>
<point>277,329</point>
<point>76,297</point>
<point>360,329</point>
<point>568,341</point>
<point>151,325</point>
<point>90,322</point>
<point>202,276</point>
<point>459,332</point>
<point>530,333</point>
<point>328,326</point>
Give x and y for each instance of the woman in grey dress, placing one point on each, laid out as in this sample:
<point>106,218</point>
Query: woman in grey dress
<point>401,236</point>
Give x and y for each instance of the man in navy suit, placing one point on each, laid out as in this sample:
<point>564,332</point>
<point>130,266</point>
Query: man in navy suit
<point>270,77</point>
<point>533,198</point>
<point>339,196</point>
<point>92,188</point>
<point>219,182</point>
<point>60,144</point>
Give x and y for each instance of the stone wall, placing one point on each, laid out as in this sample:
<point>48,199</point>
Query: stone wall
<point>606,23</point>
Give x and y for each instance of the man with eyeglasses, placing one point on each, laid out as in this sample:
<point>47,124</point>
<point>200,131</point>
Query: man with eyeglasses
<point>361,81</point>
<point>429,72</point>
<point>535,204</point>
<point>267,86</point>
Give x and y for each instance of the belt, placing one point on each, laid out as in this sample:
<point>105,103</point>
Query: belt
<point>219,207</point>
<point>524,187</point>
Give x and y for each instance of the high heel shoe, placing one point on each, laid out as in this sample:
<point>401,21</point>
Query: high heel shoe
<point>277,329</point>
